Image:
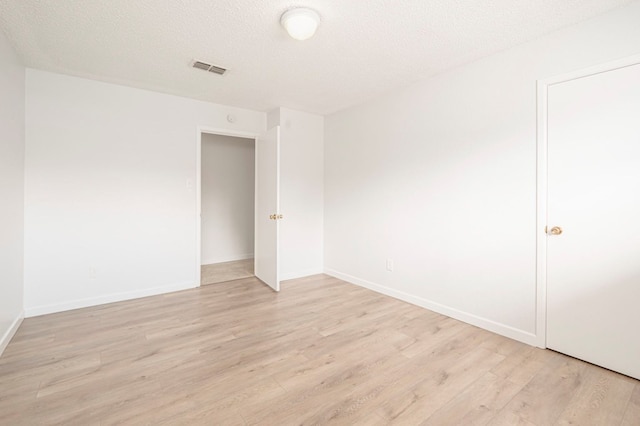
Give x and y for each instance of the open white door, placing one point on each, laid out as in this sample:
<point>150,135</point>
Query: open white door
<point>267,207</point>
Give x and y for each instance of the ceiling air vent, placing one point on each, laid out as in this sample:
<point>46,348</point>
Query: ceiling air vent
<point>208,67</point>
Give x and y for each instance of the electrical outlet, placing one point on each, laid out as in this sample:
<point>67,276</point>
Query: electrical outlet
<point>390,265</point>
<point>93,274</point>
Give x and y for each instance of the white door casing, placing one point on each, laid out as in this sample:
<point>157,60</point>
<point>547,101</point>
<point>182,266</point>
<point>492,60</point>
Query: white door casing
<point>267,206</point>
<point>589,185</point>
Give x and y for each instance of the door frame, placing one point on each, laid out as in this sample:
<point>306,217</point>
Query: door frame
<point>542,183</point>
<point>217,132</point>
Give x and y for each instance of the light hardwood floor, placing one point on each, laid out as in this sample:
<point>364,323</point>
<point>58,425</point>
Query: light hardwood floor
<point>226,271</point>
<point>319,352</point>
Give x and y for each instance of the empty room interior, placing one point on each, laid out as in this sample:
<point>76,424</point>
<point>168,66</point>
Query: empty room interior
<point>237,212</point>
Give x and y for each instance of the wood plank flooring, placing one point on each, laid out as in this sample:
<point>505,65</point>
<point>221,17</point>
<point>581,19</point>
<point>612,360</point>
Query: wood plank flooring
<point>319,352</point>
<point>226,271</point>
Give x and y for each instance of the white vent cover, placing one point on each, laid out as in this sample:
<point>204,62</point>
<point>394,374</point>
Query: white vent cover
<point>208,67</point>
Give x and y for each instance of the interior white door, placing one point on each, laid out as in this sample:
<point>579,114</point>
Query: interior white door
<point>267,206</point>
<point>593,266</point>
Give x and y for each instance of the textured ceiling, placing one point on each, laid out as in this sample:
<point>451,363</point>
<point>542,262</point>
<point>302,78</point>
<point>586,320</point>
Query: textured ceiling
<point>362,47</point>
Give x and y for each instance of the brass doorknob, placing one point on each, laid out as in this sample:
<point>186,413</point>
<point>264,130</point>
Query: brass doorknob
<point>556,230</point>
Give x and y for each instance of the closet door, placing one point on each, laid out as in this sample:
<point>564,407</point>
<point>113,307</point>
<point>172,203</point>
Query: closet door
<point>267,221</point>
<point>593,232</point>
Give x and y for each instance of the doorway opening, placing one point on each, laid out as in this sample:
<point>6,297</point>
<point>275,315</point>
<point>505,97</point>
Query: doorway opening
<point>227,207</point>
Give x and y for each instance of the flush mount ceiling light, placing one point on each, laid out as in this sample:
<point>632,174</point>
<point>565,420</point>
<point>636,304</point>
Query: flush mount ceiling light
<point>300,23</point>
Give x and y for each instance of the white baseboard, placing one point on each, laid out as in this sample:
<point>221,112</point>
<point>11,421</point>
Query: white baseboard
<point>101,300</point>
<point>11,331</point>
<point>487,324</point>
<point>300,274</point>
<point>211,261</point>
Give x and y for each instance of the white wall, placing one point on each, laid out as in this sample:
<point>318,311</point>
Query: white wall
<point>228,197</point>
<point>440,177</point>
<point>301,191</point>
<point>12,142</point>
<point>110,197</point>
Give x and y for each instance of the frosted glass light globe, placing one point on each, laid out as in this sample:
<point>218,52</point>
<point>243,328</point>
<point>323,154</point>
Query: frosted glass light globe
<point>301,23</point>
